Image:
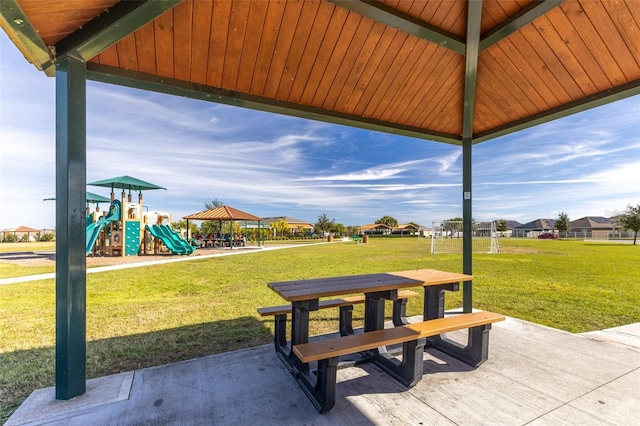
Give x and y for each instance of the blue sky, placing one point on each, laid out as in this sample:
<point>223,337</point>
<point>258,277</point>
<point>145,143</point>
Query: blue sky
<point>271,165</point>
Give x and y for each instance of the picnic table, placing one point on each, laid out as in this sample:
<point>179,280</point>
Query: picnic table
<point>305,295</point>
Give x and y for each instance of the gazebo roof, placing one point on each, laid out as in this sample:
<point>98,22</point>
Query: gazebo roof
<point>222,213</point>
<point>22,229</point>
<point>433,69</point>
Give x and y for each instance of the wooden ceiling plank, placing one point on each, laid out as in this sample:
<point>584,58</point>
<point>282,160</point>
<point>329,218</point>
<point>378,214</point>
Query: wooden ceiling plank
<point>626,18</point>
<point>507,52</point>
<point>163,35</point>
<point>251,45</point>
<point>127,53</point>
<point>424,79</point>
<point>201,34</point>
<point>523,59</point>
<point>500,109</point>
<point>182,37</point>
<point>361,72</point>
<point>449,86</point>
<point>450,115</point>
<point>344,55</point>
<point>579,49</point>
<point>616,45</point>
<point>379,77</point>
<point>108,57</point>
<point>449,65</point>
<point>351,68</point>
<point>145,49</point>
<point>296,54</point>
<point>552,68</point>
<point>504,88</point>
<point>441,11</point>
<point>337,59</point>
<point>218,42</point>
<point>455,20</point>
<point>408,92</point>
<point>235,40</point>
<point>321,62</point>
<point>566,56</point>
<point>514,82</point>
<point>597,47</point>
<point>311,48</point>
<point>283,44</point>
<point>268,38</point>
<point>403,63</point>
<point>488,118</point>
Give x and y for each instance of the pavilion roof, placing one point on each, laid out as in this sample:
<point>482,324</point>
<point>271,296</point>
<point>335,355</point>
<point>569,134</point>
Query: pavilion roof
<point>222,213</point>
<point>433,69</point>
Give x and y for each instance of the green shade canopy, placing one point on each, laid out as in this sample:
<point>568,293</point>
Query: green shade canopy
<point>125,182</point>
<point>91,198</point>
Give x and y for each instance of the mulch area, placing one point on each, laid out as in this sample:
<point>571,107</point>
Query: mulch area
<point>49,259</point>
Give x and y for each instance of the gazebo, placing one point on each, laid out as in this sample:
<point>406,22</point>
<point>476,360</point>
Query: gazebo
<point>457,72</point>
<point>23,230</point>
<point>224,214</point>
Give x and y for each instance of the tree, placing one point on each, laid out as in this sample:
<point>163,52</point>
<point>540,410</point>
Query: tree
<point>502,226</point>
<point>391,222</point>
<point>281,227</point>
<point>353,230</point>
<point>324,224</point>
<point>213,204</point>
<point>212,226</point>
<point>338,229</point>
<point>562,223</point>
<point>630,220</point>
<point>182,224</point>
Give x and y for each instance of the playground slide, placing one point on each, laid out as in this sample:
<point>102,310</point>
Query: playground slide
<point>94,228</point>
<point>171,239</point>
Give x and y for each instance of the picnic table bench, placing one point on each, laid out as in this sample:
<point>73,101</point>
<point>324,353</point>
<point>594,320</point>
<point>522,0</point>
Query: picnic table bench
<point>304,296</point>
<point>346,312</point>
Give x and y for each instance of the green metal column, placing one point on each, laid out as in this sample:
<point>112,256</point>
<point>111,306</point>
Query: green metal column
<point>467,226</point>
<point>71,353</point>
<point>474,21</point>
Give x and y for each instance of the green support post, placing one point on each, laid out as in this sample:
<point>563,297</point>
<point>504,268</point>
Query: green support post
<point>71,353</point>
<point>467,226</point>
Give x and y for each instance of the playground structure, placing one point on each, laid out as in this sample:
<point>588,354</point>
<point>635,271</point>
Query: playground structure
<point>125,230</point>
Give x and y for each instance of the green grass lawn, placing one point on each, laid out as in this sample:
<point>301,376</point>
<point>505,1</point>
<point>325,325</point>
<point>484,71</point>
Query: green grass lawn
<point>165,313</point>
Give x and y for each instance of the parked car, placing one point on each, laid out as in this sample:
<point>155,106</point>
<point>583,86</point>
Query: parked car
<point>547,236</point>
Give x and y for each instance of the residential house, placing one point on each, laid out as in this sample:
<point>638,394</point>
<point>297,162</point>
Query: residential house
<point>375,229</point>
<point>511,225</point>
<point>535,228</point>
<point>593,227</point>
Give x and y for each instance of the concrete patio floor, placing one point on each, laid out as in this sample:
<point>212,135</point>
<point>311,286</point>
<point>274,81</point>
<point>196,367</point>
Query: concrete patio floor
<point>535,375</point>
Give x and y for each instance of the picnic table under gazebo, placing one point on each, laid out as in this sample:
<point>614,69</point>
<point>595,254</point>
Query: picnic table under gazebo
<point>225,214</point>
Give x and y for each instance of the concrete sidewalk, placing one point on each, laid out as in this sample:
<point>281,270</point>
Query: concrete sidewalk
<point>535,375</point>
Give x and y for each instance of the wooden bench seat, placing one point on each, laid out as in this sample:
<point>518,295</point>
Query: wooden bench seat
<point>321,389</point>
<point>346,310</point>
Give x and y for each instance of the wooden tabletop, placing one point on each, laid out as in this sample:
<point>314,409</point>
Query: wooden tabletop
<point>316,288</point>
